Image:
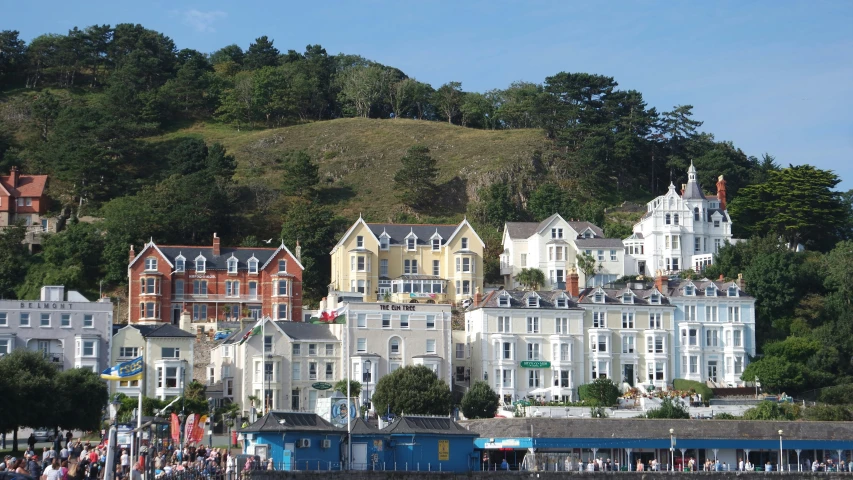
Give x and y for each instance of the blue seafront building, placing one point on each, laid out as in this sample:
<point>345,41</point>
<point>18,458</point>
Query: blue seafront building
<point>306,441</point>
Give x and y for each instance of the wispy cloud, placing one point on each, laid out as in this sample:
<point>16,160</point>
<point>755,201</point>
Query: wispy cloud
<point>202,21</point>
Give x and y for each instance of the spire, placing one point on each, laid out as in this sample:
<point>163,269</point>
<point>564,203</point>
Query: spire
<point>691,173</point>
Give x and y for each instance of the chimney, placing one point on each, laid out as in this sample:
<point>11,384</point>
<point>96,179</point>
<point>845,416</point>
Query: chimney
<point>741,284</point>
<point>14,174</point>
<point>478,297</point>
<point>661,282</point>
<point>215,245</point>
<point>186,321</point>
<point>683,188</point>
<point>721,192</point>
<point>572,283</point>
<point>132,254</point>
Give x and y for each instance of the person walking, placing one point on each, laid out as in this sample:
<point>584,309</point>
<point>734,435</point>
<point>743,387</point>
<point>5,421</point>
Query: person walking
<point>53,471</point>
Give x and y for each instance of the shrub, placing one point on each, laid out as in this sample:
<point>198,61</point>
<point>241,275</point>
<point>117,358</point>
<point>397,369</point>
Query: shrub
<point>698,387</point>
<point>725,416</point>
<point>669,408</point>
<point>480,401</point>
<point>828,413</point>
<point>772,411</point>
<point>601,392</point>
<point>837,395</point>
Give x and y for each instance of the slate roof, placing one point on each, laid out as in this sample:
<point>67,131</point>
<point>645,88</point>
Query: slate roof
<point>360,427</point>
<point>613,296</point>
<point>306,331</point>
<point>399,231</point>
<point>518,299</point>
<point>693,191</point>
<point>659,429</point>
<point>28,185</point>
<point>243,254</point>
<point>712,211</point>
<point>406,425</point>
<point>159,331</point>
<point>237,335</point>
<point>599,242</point>
<point>523,230</point>
<point>293,422</point>
<point>675,288</point>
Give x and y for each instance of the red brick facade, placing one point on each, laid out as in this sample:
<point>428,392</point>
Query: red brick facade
<point>22,197</point>
<point>234,283</point>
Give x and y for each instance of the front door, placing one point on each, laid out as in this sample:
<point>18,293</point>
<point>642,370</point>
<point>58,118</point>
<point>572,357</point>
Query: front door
<point>712,370</point>
<point>628,374</point>
<point>359,456</point>
<point>641,267</point>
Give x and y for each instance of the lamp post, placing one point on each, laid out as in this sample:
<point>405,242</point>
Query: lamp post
<point>757,384</point>
<point>367,374</point>
<point>210,422</point>
<point>780,451</point>
<point>181,417</point>
<point>672,449</point>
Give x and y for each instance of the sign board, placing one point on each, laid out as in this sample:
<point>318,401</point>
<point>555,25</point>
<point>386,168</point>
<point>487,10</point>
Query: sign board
<point>321,386</point>
<point>505,443</point>
<point>443,450</point>
<point>535,364</point>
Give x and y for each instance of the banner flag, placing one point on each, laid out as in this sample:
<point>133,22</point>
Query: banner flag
<point>188,427</point>
<point>198,432</point>
<point>176,428</point>
<point>129,370</point>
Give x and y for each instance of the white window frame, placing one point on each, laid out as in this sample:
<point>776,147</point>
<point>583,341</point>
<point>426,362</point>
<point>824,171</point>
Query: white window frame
<point>150,264</point>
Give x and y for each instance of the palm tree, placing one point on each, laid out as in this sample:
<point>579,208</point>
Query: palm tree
<point>586,264</point>
<point>530,278</point>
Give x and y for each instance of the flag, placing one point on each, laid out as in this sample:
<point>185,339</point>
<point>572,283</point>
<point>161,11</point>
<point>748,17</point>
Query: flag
<point>332,316</point>
<point>129,370</point>
<point>188,428</point>
<point>251,333</point>
<point>198,431</point>
<point>176,428</point>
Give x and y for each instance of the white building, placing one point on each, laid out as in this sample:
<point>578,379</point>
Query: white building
<point>715,330</point>
<point>527,343</point>
<point>282,365</point>
<point>553,245</point>
<point>68,329</point>
<point>679,231</point>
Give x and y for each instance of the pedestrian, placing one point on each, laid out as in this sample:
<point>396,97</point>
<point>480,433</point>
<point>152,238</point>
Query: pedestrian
<point>33,466</point>
<point>125,462</point>
<point>63,468</point>
<point>136,473</point>
<point>22,467</point>
<point>68,438</point>
<point>739,464</point>
<point>53,471</point>
<point>31,442</point>
<point>504,464</point>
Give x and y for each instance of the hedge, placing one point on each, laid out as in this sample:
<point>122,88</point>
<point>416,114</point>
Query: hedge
<point>698,387</point>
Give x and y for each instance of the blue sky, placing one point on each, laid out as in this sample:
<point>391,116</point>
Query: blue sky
<point>771,76</point>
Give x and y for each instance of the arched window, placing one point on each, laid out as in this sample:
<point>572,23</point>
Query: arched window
<point>394,346</point>
<point>695,214</point>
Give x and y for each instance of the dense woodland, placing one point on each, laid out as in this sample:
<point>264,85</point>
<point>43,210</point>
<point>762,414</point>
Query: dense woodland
<point>84,108</point>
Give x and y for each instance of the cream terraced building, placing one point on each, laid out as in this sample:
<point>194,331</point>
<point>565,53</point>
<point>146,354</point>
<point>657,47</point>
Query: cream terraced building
<point>405,263</point>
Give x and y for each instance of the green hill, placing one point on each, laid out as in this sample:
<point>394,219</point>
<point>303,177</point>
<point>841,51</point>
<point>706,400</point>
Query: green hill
<point>358,157</point>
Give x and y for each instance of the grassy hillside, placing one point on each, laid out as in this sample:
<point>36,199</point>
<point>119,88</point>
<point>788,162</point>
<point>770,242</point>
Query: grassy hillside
<point>358,157</point>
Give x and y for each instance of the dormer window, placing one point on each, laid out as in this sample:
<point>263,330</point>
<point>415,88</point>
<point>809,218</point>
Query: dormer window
<point>627,298</point>
<point>253,265</point>
<point>733,291</point>
<point>556,233</point>
<point>710,292</point>
<point>464,243</point>
<point>654,299</point>
<point>232,264</point>
<point>503,301</point>
<point>533,301</point>
<point>598,297</point>
<point>411,242</point>
<point>180,263</point>
<point>689,291</point>
<point>588,234</point>
<point>562,302</point>
<point>383,241</point>
<point>200,264</point>
<point>436,244</point>
<point>359,241</point>
<point>150,264</point>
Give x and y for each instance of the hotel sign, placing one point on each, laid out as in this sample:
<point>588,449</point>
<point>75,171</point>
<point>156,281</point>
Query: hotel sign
<point>535,364</point>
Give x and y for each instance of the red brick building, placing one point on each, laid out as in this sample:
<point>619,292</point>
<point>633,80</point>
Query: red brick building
<point>213,283</point>
<point>22,198</point>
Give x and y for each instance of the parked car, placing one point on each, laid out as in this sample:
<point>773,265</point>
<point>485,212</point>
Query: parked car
<point>221,334</point>
<point>467,303</point>
<point>43,434</point>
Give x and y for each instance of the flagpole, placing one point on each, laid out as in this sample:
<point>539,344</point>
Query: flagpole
<point>138,433</point>
<point>264,356</point>
<point>349,382</point>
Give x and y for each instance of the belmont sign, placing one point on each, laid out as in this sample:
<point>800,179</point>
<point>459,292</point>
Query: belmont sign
<point>535,364</point>
<point>50,305</point>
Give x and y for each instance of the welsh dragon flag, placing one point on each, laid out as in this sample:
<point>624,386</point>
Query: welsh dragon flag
<point>251,333</point>
<point>331,316</point>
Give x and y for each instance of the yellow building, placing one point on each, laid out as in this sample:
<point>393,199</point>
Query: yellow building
<point>409,263</point>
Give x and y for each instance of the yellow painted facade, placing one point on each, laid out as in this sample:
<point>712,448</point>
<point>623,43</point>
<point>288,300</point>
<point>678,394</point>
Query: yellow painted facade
<point>409,263</point>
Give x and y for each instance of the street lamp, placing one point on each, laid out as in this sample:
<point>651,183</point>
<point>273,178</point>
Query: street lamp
<point>780,450</point>
<point>367,372</point>
<point>672,449</point>
<point>181,417</point>
<point>210,422</point>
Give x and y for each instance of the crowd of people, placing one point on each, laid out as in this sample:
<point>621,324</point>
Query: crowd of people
<point>78,460</point>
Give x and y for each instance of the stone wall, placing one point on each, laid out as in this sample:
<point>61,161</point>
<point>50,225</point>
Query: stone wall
<point>361,475</point>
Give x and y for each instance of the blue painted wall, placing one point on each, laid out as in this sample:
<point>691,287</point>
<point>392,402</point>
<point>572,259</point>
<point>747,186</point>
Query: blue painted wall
<point>328,457</point>
<point>425,451</point>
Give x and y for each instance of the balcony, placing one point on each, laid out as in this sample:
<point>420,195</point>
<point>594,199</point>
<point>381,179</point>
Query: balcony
<point>506,267</point>
<point>420,298</point>
<point>216,298</point>
<point>55,359</point>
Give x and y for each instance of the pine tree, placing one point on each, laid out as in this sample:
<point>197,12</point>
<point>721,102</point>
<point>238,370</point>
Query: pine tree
<point>415,180</point>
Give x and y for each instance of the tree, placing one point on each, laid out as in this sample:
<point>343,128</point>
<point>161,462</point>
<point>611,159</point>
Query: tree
<point>415,180</point>
<point>413,390</point>
<point>586,264</point>
<point>601,392</point>
<point>838,267</point>
<point>230,53</point>
<point>12,56</point>
<point>530,278</point>
<point>669,408</point>
<point>363,87</point>
<point>480,401</point>
<point>401,95</point>
<point>84,395</point>
<point>315,228</point>
<point>773,411</point>
<point>260,54</point>
<point>30,399</point>
<point>796,204</point>
<point>14,259</point>
<point>498,207</point>
<point>45,109</point>
<point>300,174</point>
<point>354,387</point>
<point>776,374</point>
<point>448,100</point>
